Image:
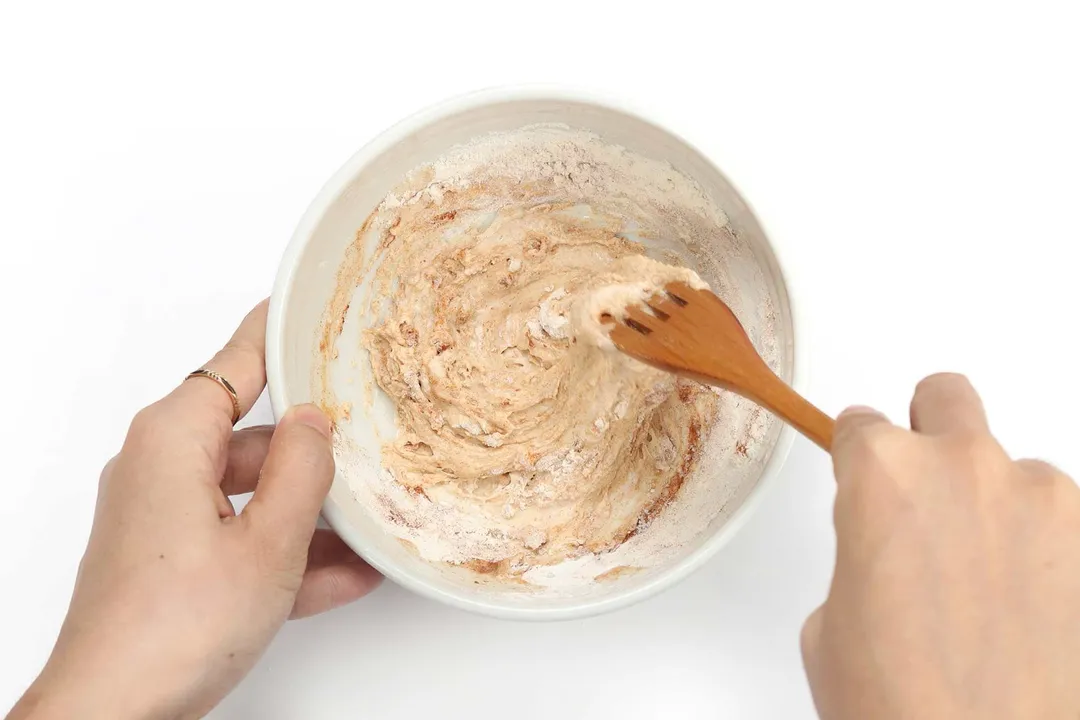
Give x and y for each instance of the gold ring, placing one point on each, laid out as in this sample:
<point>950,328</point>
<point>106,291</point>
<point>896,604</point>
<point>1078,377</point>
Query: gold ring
<point>217,377</point>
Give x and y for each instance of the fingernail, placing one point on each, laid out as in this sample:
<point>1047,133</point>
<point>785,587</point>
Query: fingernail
<point>313,417</point>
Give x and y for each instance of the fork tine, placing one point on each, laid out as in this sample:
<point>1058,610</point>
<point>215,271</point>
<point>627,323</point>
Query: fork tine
<point>680,292</point>
<point>632,342</point>
<point>663,306</point>
<point>640,320</point>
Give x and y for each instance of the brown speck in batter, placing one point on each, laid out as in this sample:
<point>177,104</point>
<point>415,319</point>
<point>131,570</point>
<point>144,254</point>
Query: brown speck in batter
<point>686,391</point>
<point>617,572</point>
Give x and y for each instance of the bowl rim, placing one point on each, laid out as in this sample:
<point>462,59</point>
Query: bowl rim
<point>275,349</point>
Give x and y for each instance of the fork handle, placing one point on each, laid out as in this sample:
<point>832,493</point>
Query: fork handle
<point>775,395</point>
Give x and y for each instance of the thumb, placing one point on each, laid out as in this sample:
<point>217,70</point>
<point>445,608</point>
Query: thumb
<point>855,430</point>
<point>294,481</point>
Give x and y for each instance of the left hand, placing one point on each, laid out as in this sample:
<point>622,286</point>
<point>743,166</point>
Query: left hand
<point>177,596</point>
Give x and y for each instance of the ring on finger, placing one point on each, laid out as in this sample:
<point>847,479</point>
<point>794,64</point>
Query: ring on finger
<point>225,384</point>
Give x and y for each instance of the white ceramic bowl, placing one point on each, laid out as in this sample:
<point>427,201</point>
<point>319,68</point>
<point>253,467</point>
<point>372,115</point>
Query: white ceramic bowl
<point>306,280</point>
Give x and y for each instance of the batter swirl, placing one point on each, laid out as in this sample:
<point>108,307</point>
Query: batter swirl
<point>510,409</point>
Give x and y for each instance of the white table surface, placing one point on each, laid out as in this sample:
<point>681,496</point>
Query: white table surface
<point>918,166</point>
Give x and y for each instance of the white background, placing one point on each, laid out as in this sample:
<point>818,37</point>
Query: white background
<point>917,163</point>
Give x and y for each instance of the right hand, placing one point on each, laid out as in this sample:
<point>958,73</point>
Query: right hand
<point>957,585</point>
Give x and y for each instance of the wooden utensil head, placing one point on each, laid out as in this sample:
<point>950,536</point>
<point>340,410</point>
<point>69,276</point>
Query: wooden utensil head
<point>693,333</point>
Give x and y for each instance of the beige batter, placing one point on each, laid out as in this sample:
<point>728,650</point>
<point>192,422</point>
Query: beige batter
<point>524,446</point>
<point>509,401</point>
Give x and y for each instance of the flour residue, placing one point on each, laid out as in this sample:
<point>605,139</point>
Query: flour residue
<point>526,449</point>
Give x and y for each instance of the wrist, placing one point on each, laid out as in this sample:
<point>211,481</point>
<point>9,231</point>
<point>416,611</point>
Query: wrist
<point>57,695</point>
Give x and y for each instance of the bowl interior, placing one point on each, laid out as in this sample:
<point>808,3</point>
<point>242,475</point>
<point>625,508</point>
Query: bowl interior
<point>309,275</point>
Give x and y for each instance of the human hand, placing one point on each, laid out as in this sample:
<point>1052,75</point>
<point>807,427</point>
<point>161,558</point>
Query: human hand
<point>177,596</point>
<point>957,585</point>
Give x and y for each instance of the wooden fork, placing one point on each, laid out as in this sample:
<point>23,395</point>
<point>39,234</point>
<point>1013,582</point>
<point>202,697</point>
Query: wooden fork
<point>694,334</point>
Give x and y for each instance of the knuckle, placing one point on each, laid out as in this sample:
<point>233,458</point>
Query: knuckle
<point>848,432</point>
<point>145,423</point>
<point>243,352</point>
<point>1039,469</point>
<point>280,562</point>
<point>219,425</point>
<point>335,592</point>
<point>1059,494</point>
<point>873,444</point>
<point>1066,496</point>
<point>808,635</point>
<point>877,461</point>
<point>156,426</point>
<point>107,473</point>
<point>1063,484</point>
<point>109,468</point>
<point>976,462</point>
<point>877,437</point>
<point>977,450</point>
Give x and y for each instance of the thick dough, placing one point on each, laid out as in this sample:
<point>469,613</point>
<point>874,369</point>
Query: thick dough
<point>510,408</point>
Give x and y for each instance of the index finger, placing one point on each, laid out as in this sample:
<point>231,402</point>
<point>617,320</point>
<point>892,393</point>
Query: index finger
<point>242,363</point>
